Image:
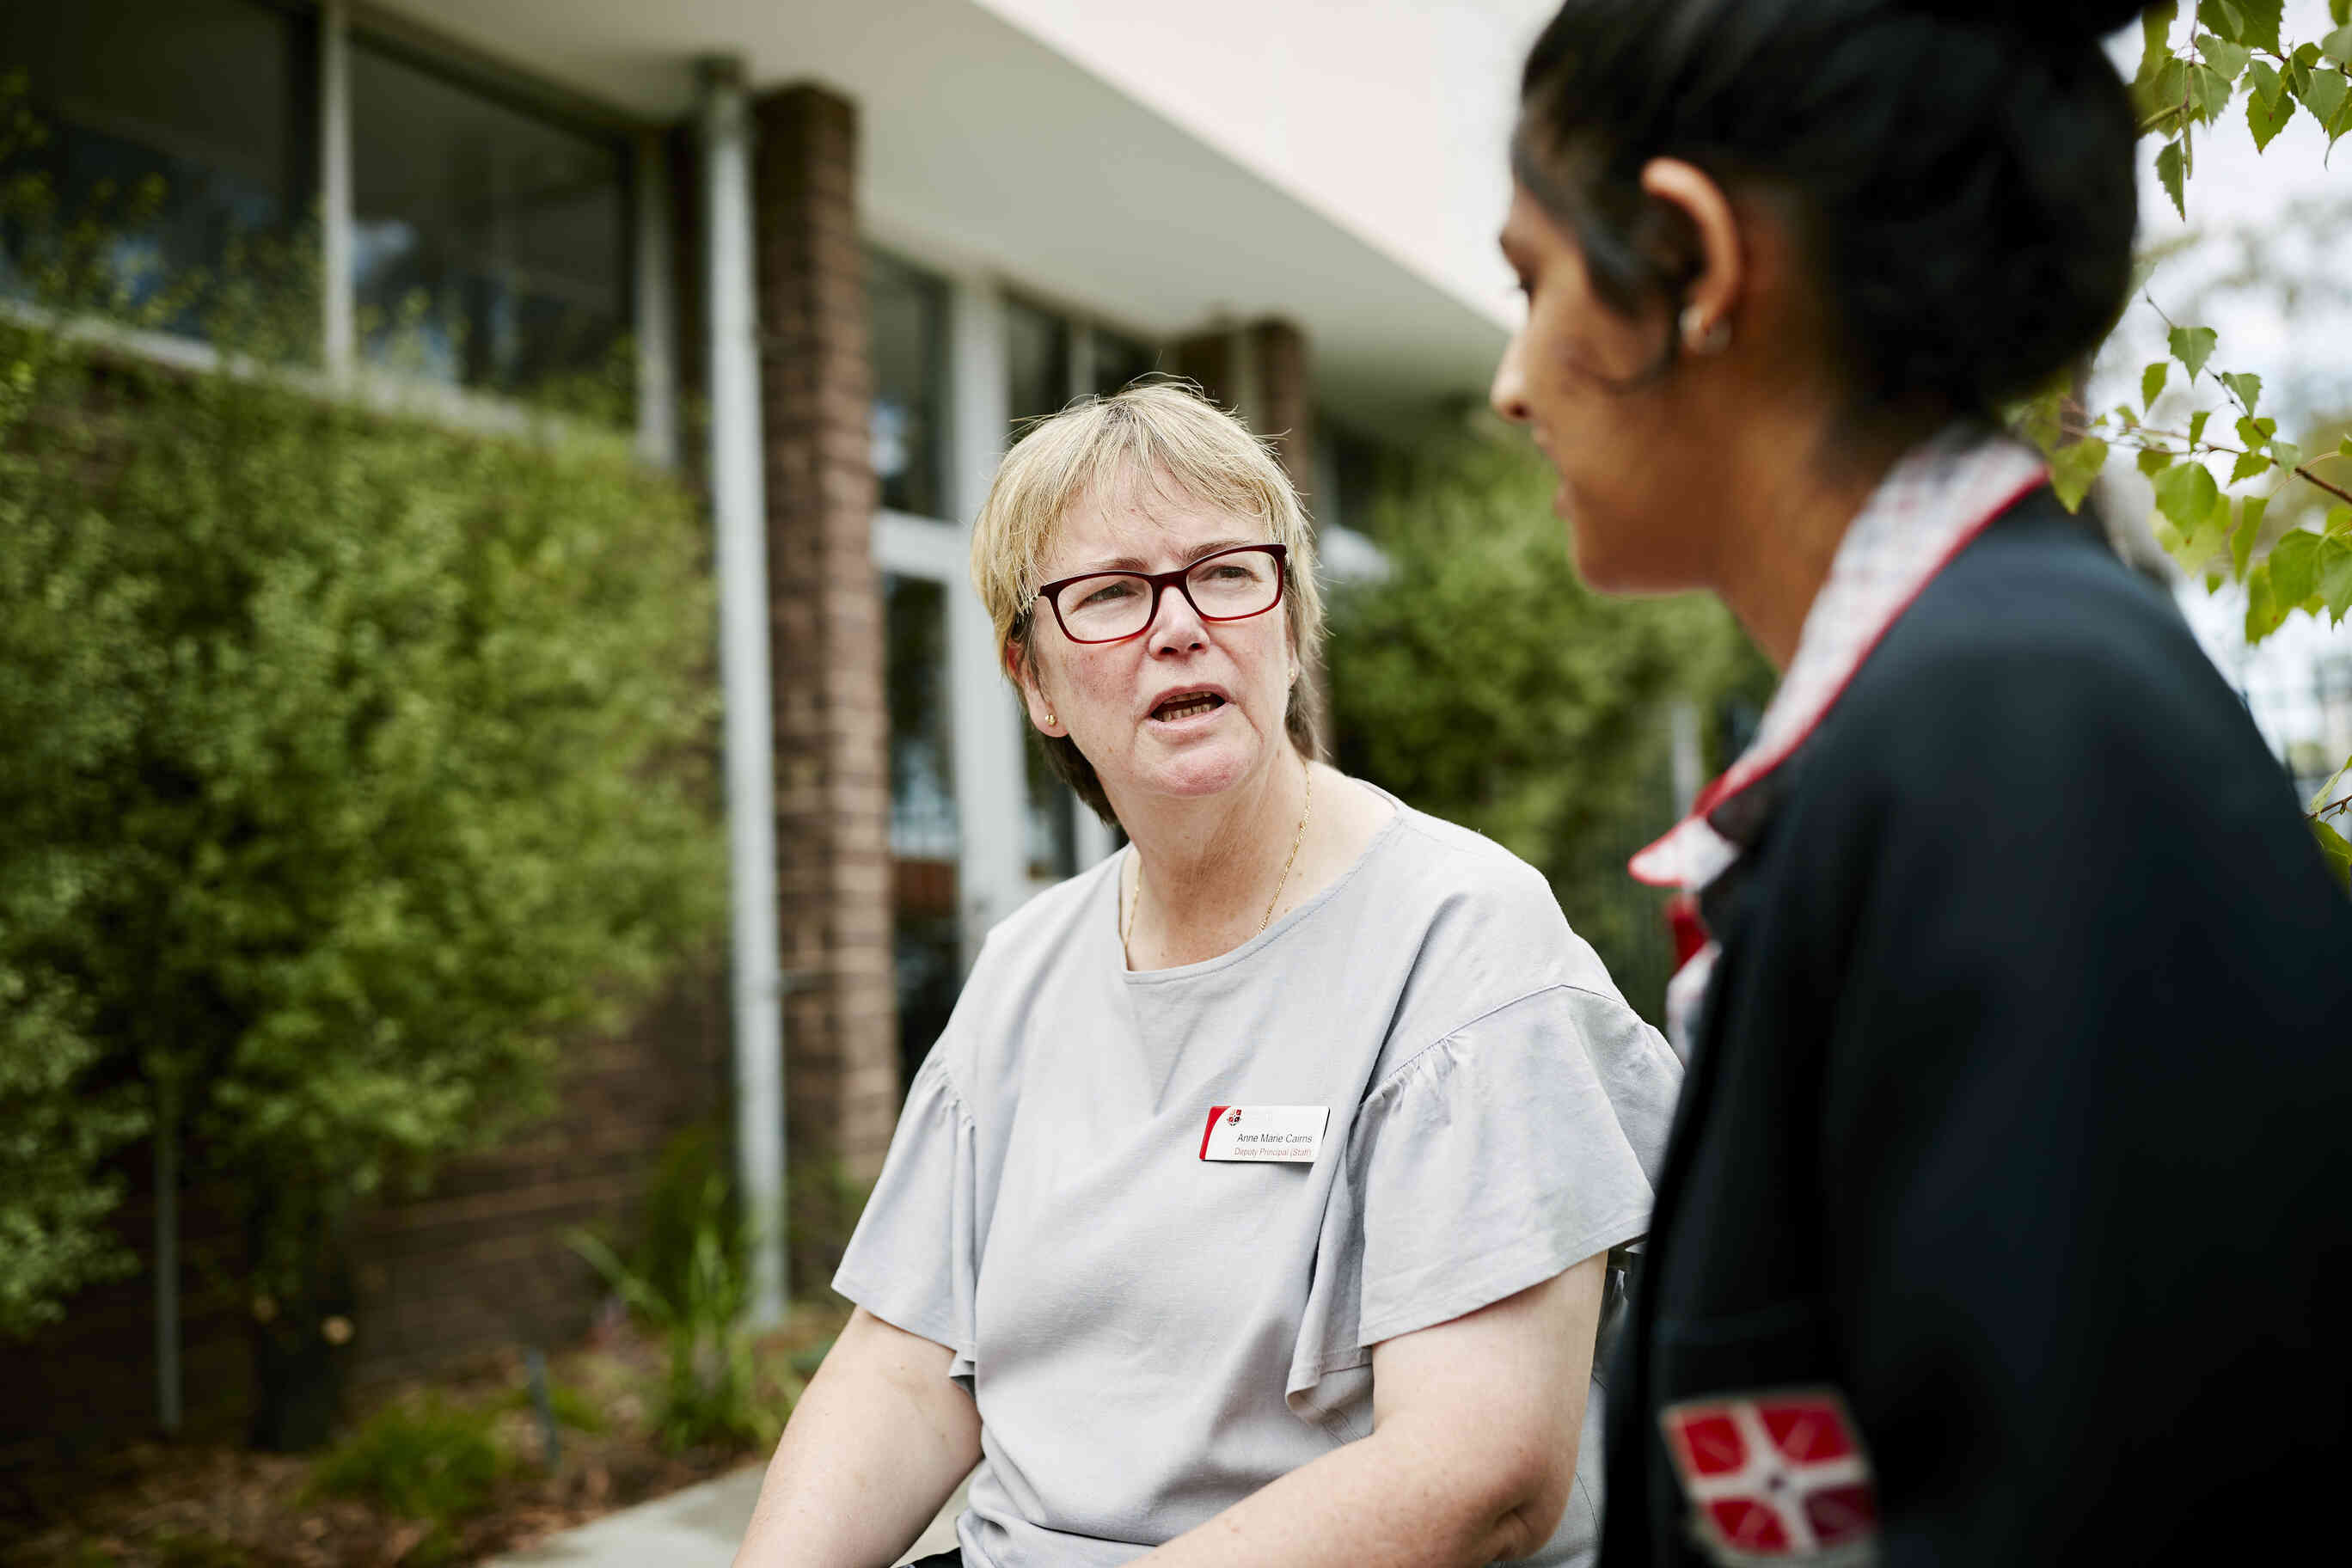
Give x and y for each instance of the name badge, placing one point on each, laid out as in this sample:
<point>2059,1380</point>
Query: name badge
<point>1288,1134</point>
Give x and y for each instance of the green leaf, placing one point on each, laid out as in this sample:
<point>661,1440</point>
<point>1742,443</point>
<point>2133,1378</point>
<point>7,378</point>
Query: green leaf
<point>2294,568</point>
<point>2258,22</point>
<point>2263,615</point>
<point>2074,469</point>
<point>2151,382</point>
<point>2248,529</point>
<point>2156,38</point>
<point>2263,81</point>
<point>2192,346</point>
<point>2210,90</point>
<point>2197,425</point>
<point>2343,448</point>
<point>2335,578</point>
<point>2339,522</point>
<point>2326,797</point>
<point>2245,385</point>
<point>2162,97</point>
<point>2257,432</point>
<point>2228,59</point>
<point>2248,465</point>
<point>2267,117</point>
<point>2323,92</point>
<point>2154,461</point>
<point>2339,11</point>
<point>2186,495</point>
<point>2168,175</point>
<point>2221,16</point>
<point>2336,851</point>
<point>2286,454</point>
<point>2337,46</point>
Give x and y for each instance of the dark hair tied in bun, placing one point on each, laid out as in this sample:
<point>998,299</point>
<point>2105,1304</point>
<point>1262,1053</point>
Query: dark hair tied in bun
<point>2056,21</point>
<point>1957,174</point>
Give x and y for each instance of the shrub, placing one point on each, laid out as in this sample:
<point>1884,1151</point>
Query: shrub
<point>430,1459</point>
<point>1482,682</point>
<point>712,1394</point>
<point>350,763</point>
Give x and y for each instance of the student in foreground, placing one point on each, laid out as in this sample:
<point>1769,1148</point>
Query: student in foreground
<point>1254,1206</point>
<point>2004,1219</point>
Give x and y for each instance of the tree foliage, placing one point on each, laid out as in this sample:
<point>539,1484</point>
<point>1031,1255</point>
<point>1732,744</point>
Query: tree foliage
<point>1481,681</point>
<point>350,763</point>
<point>2193,66</point>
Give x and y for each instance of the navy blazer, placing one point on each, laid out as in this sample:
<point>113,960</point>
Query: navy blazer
<point>2013,1154</point>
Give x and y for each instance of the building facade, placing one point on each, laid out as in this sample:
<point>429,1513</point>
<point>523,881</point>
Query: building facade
<point>874,240</point>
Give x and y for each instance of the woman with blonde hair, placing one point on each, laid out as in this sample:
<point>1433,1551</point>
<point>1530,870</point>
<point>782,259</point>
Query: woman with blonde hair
<point>1254,1206</point>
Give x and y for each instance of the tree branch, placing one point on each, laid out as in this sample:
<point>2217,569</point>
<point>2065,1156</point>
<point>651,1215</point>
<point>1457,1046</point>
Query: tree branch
<point>2301,470</point>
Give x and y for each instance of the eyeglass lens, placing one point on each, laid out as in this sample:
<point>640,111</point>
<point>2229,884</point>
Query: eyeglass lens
<point>1222,587</point>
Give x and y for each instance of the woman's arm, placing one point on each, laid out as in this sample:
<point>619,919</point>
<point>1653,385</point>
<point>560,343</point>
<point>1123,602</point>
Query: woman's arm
<point>1473,1451</point>
<point>873,1449</point>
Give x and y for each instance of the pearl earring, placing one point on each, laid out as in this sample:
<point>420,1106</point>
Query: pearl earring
<point>1050,720</point>
<point>1702,336</point>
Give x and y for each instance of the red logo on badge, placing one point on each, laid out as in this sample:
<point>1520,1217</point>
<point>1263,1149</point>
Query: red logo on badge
<point>1774,1478</point>
<point>1233,1116</point>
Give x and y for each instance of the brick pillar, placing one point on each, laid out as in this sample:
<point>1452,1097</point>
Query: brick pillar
<point>1207,359</point>
<point>832,725</point>
<point>1286,400</point>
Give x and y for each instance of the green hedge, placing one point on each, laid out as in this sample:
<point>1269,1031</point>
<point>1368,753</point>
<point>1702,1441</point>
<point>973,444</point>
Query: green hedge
<point>1481,681</point>
<point>345,763</point>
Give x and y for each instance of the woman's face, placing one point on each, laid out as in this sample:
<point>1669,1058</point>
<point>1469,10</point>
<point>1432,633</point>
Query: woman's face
<point>1630,461</point>
<point>1187,708</point>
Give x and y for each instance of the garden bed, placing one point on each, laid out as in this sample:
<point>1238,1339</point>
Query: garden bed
<point>174,1506</point>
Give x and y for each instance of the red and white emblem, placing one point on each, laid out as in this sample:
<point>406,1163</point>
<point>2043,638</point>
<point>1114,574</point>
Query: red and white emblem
<point>1775,1478</point>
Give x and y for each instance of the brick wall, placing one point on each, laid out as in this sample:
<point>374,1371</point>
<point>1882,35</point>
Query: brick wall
<point>476,1263</point>
<point>833,788</point>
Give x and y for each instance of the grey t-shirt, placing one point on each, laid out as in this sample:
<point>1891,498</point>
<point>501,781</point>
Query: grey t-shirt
<point>1151,1337</point>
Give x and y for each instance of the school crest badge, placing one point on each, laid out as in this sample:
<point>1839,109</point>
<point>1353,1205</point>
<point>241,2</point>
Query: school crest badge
<point>1775,1480</point>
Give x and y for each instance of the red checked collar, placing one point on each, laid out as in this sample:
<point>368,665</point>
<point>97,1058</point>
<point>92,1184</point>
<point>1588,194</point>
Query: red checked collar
<point>1925,511</point>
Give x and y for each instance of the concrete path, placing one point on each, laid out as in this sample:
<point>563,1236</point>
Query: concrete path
<point>698,1528</point>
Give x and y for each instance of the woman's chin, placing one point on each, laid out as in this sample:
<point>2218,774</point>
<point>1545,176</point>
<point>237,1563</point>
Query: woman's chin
<point>1607,566</point>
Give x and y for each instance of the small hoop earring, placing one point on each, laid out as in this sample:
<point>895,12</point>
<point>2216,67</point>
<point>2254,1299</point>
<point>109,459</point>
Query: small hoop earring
<point>1702,336</point>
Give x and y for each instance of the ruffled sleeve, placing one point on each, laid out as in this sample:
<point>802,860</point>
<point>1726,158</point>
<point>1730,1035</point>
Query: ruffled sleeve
<point>914,1259</point>
<point>1505,1153</point>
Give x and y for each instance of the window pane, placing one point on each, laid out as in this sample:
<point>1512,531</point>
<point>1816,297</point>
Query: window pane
<point>1118,361</point>
<point>908,315</point>
<point>923,838</point>
<point>1053,818</point>
<point>1037,358</point>
<point>489,245</point>
<point>200,94</point>
<point>922,776</point>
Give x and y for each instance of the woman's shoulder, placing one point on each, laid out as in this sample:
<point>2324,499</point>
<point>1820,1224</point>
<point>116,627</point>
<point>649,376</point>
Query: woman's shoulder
<point>2039,597</point>
<point>1489,921</point>
<point>1050,915</point>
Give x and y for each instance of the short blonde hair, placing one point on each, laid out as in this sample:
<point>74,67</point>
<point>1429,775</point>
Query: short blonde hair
<point>1166,434</point>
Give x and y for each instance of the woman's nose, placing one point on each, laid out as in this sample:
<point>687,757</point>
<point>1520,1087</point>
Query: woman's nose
<point>1175,625</point>
<point>1508,395</point>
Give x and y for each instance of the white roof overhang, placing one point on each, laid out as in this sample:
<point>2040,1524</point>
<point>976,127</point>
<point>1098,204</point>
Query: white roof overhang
<point>984,147</point>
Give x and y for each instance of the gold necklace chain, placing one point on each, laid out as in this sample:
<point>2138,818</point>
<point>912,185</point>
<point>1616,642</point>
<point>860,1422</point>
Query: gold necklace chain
<point>1126,922</point>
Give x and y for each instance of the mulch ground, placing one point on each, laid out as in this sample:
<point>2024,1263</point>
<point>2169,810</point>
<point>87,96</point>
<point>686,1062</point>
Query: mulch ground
<point>173,1506</point>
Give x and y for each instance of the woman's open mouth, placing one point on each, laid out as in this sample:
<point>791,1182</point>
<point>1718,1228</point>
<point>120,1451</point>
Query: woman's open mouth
<point>1187,705</point>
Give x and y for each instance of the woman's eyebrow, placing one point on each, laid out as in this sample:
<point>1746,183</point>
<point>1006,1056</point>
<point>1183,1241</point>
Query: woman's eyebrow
<point>1137,562</point>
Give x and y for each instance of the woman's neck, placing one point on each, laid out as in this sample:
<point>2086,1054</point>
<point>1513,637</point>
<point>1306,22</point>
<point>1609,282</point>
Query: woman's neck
<point>1791,493</point>
<point>1206,872</point>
